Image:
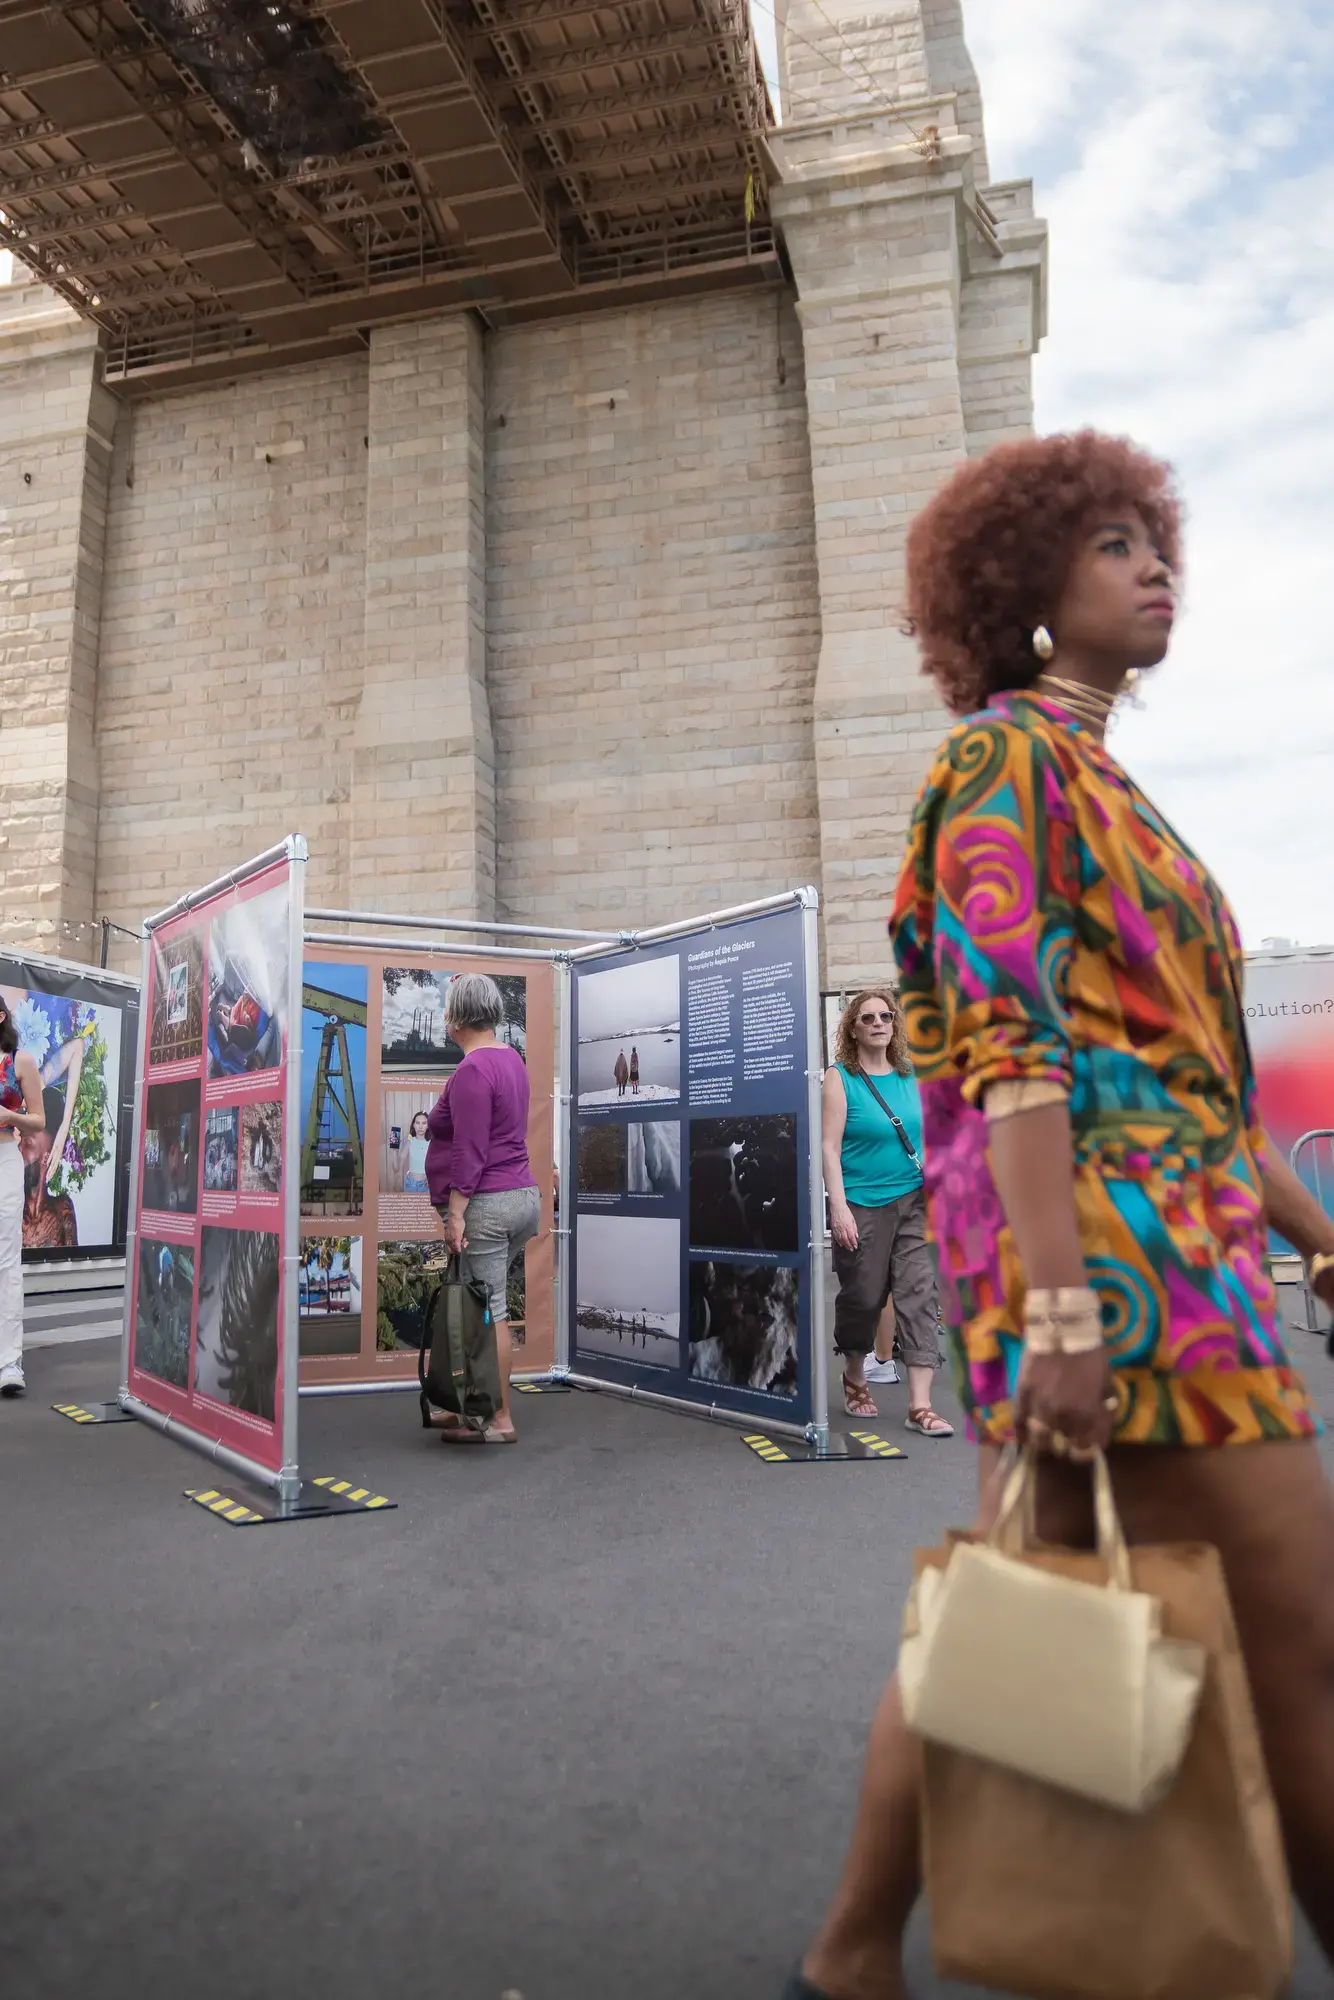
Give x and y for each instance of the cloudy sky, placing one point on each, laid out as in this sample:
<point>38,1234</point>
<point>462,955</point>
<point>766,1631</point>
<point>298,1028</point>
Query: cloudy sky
<point>1183,154</point>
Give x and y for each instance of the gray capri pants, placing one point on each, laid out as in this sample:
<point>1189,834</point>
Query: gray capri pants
<point>893,1259</point>
<point>497,1226</point>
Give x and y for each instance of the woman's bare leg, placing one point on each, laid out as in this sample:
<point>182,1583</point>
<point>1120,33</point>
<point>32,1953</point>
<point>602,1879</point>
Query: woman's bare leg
<point>1269,1510</point>
<point>858,1954</point>
<point>505,1420</point>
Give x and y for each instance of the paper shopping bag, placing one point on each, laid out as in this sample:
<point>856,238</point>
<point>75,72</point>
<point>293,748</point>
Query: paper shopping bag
<point>1036,1891</point>
<point>980,1637</point>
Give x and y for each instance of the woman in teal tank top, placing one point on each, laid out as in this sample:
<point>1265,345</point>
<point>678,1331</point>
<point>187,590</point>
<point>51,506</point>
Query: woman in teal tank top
<point>872,1148</point>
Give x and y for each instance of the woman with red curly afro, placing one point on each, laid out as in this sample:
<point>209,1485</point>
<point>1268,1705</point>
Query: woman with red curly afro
<point>1098,1181</point>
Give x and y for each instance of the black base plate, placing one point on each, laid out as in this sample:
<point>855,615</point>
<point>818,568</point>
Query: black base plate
<point>841,1448</point>
<point>259,1506</point>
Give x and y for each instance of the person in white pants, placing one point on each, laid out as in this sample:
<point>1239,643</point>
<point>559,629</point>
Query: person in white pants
<point>20,1090</point>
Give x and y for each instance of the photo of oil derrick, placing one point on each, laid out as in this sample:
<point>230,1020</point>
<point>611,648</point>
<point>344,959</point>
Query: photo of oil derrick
<point>333,1089</point>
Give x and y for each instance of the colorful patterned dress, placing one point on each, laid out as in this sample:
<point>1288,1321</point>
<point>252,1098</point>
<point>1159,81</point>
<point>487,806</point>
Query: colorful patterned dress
<point>1050,924</point>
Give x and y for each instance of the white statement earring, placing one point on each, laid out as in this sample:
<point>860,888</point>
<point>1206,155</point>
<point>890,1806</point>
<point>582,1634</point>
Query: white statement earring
<point>1043,643</point>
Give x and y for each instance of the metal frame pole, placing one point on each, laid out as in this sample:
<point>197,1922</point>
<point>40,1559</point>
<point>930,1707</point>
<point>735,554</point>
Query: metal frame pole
<point>430,947</point>
<point>231,880</point>
<point>289,1478</point>
<point>810,937</point>
<point>471,924</point>
<point>564,1231</point>
<point>136,1154</point>
<point>684,926</point>
<point>211,1448</point>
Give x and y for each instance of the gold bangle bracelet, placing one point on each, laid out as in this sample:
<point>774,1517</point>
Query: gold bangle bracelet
<point>1322,1261</point>
<point>1067,1320</point>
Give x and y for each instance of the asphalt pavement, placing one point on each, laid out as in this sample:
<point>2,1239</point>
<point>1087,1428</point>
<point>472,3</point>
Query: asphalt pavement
<point>580,1720</point>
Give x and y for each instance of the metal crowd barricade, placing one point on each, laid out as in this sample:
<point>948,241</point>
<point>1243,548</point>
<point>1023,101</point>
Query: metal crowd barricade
<point>1313,1139</point>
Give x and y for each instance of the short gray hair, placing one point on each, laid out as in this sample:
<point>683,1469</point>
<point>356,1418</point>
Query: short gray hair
<point>473,1001</point>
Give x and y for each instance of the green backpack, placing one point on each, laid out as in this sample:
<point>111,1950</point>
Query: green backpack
<point>458,1365</point>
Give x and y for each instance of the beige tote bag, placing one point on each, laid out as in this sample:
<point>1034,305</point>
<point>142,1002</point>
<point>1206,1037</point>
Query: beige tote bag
<point>1073,1683</point>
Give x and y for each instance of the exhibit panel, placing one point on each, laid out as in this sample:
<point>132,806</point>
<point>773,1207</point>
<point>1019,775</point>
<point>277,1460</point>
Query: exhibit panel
<point>82,1030</point>
<point>690,1148</point>
<point>211,1305</point>
<point>376,1057</point>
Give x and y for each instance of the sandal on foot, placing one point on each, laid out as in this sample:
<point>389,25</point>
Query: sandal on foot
<point>465,1434</point>
<point>857,1399</point>
<point>928,1423</point>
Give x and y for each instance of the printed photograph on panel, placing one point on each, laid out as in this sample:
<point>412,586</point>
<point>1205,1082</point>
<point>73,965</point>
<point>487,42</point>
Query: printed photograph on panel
<point>628,1279</point>
<point>236,1350</point>
<point>408,1274</point>
<point>653,1157</point>
<point>412,1019</point>
<point>330,1292</point>
<point>221,1127</point>
<point>262,1148</point>
<point>333,1088</point>
<point>69,1166</point>
<point>743,1183</point>
<point>176,1031</point>
<point>630,1033</point>
<point>602,1157</point>
<point>247,985</point>
<point>171,1146</point>
<point>743,1326</point>
<point>162,1311</point>
<point>404,1138</point>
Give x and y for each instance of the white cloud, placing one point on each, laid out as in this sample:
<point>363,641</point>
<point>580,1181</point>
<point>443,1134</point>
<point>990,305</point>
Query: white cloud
<point>1182,157</point>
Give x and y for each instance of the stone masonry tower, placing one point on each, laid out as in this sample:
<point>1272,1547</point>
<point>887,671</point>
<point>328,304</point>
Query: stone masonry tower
<point>582,607</point>
<point>921,296</point>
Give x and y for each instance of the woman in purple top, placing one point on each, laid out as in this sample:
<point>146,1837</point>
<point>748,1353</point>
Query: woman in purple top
<point>477,1167</point>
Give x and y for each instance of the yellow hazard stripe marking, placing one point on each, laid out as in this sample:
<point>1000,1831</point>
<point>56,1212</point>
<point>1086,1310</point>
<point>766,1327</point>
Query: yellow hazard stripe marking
<point>878,1447</point>
<point>220,1504</point>
<point>346,1490</point>
<point>764,1447</point>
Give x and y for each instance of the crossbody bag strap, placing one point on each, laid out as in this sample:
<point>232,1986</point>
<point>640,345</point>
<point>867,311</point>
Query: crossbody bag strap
<point>896,1122</point>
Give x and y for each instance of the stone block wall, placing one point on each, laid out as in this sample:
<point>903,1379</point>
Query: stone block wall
<point>423,801</point>
<point>492,645</point>
<point>56,428</point>
<point>652,615</point>
<point>595,622</point>
<point>232,644</point>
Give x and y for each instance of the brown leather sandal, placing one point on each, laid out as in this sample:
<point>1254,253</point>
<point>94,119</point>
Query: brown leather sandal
<point>858,1400</point>
<point>928,1423</point>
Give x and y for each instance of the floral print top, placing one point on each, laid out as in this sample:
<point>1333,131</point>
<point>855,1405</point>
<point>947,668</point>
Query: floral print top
<point>1049,923</point>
